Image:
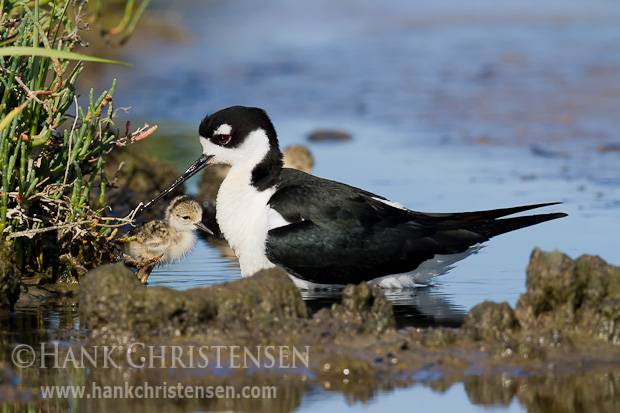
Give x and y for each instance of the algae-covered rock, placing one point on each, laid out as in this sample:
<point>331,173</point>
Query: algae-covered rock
<point>105,295</point>
<point>582,295</point>
<point>554,291</point>
<point>364,307</point>
<point>438,337</point>
<point>489,320</point>
<point>352,345</point>
<point>9,276</point>
<point>112,298</point>
<point>607,326</point>
<point>267,297</point>
<point>516,348</point>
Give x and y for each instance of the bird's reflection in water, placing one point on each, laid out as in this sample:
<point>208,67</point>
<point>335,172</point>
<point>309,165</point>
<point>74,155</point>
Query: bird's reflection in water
<point>414,307</point>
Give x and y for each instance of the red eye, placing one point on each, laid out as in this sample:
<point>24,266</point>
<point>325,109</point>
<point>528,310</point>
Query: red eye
<point>222,139</point>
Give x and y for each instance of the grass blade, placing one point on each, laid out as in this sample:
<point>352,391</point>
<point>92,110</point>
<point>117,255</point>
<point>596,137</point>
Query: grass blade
<point>54,54</point>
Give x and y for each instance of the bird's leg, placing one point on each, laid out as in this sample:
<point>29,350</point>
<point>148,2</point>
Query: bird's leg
<point>150,262</point>
<point>144,272</point>
<point>144,267</point>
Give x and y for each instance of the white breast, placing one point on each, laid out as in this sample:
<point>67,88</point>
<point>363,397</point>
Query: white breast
<point>245,218</point>
<point>181,243</point>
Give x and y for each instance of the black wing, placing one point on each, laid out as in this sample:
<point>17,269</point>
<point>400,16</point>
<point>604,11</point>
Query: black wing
<point>341,234</point>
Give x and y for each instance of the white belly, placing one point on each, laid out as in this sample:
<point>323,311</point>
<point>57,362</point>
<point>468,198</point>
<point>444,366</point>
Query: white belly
<point>438,265</point>
<point>245,218</point>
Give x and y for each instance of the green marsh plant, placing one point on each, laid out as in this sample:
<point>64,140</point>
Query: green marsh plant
<point>52,150</point>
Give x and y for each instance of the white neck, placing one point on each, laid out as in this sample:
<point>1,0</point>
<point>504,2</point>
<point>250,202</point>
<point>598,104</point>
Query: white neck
<point>244,218</point>
<point>242,211</point>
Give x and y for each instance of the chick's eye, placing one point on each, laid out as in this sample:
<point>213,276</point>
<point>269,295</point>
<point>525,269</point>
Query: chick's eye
<point>186,217</point>
<point>222,139</point>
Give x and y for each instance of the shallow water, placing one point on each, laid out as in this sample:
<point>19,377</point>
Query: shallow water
<point>468,178</point>
<point>452,107</point>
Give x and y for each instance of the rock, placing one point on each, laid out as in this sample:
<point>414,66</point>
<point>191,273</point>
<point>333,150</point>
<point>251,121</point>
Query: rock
<point>554,291</point>
<point>268,298</point>
<point>489,321</point>
<point>341,367</point>
<point>112,299</point>
<point>608,327</point>
<point>521,349</point>
<point>329,135</point>
<point>364,307</point>
<point>9,275</point>
<point>438,337</point>
<point>582,295</point>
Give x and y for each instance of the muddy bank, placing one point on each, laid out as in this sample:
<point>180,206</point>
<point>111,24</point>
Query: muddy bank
<point>32,289</point>
<point>558,350</point>
<point>574,297</point>
<point>568,322</point>
<point>9,277</point>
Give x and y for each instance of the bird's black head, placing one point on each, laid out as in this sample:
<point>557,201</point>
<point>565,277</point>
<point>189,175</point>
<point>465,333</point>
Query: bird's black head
<point>232,126</point>
<point>241,137</point>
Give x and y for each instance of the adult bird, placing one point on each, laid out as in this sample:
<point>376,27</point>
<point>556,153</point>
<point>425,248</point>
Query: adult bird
<point>323,231</point>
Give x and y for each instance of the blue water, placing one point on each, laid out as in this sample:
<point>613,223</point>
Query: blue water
<point>416,398</point>
<point>452,106</point>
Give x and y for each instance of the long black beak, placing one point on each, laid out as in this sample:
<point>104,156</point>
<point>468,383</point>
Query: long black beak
<point>191,171</point>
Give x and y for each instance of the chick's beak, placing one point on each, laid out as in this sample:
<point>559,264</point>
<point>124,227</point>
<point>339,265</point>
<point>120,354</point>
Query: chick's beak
<point>203,227</point>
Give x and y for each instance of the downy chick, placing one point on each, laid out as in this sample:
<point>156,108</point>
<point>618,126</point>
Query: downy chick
<point>162,241</point>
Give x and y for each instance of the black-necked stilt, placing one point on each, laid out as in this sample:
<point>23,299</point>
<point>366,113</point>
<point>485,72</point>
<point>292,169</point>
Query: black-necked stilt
<point>161,241</point>
<point>326,232</point>
<point>294,156</point>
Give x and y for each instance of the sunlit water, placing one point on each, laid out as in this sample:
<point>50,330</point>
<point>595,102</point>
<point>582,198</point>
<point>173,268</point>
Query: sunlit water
<point>453,106</point>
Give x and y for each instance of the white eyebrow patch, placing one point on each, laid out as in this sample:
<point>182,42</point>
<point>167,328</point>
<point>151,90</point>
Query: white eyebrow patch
<point>223,129</point>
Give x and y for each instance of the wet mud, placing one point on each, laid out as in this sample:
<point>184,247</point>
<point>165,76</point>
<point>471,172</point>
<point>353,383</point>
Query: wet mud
<point>557,351</point>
